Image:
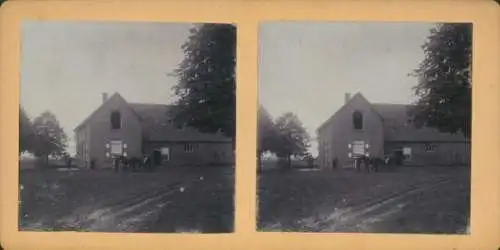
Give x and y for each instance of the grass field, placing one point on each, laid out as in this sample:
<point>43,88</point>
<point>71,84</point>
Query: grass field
<point>104,200</point>
<point>408,200</point>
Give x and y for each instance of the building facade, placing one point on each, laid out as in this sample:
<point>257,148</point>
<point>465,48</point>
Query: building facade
<point>135,129</point>
<point>374,129</point>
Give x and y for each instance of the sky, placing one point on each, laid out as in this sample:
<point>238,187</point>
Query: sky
<point>307,67</point>
<point>66,66</point>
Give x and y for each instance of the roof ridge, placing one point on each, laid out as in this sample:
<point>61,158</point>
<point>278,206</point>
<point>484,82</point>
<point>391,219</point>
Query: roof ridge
<point>392,104</point>
<point>143,103</point>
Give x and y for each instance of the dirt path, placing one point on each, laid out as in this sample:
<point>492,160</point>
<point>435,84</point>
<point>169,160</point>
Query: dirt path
<point>426,204</point>
<point>361,218</point>
<point>116,202</point>
<point>127,215</point>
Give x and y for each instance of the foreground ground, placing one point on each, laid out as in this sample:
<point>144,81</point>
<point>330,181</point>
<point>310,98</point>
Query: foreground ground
<point>167,200</point>
<point>406,200</point>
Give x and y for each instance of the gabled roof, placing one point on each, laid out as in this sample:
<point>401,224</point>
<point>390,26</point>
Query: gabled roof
<point>114,96</point>
<point>357,95</point>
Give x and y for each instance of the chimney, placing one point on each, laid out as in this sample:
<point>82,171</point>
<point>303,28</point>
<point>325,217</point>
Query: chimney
<point>347,97</point>
<point>104,97</point>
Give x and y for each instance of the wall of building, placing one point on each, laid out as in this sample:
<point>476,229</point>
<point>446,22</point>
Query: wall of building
<point>101,133</point>
<point>339,133</point>
<point>203,153</point>
<point>445,153</point>
<point>82,137</point>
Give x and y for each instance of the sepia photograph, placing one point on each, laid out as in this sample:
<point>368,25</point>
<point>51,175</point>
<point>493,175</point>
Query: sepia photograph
<point>364,127</point>
<point>127,127</point>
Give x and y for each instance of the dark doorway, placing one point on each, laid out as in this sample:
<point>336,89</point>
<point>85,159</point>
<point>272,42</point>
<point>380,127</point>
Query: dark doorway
<point>156,157</point>
<point>398,157</point>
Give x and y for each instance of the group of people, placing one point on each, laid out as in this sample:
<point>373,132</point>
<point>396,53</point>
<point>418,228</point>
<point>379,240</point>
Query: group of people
<point>119,162</point>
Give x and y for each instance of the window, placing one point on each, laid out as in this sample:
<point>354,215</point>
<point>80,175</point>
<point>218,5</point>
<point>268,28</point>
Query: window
<point>165,152</point>
<point>407,154</point>
<point>430,147</point>
<point>358,147</point>
<point>357,120</point>
<point>116,147</point>
<point>116,120</point>
<point>188,148</point>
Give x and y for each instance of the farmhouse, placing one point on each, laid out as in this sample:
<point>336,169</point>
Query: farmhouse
<point>118,127</point>
<point>374,129</point>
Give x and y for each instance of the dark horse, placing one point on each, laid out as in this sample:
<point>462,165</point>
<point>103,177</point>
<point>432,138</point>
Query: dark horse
<point>132,163</point>
<point>371,164</point>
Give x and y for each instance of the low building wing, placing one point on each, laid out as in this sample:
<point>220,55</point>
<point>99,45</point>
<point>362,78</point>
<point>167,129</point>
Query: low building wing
<point>398,126</point>
<point>157,126</point>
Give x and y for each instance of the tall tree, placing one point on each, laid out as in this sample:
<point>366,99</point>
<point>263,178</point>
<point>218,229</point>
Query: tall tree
<point>50,137</point>
<point>266,134</point>
<point>293,137</point>
<point>206,87</point>
<point>26,135</point>
<point>444,89</point>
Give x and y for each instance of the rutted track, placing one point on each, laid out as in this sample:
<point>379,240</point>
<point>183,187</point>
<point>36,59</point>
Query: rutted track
<point>126,215</point>
<point>360,218</point>
<point>104,201</point>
